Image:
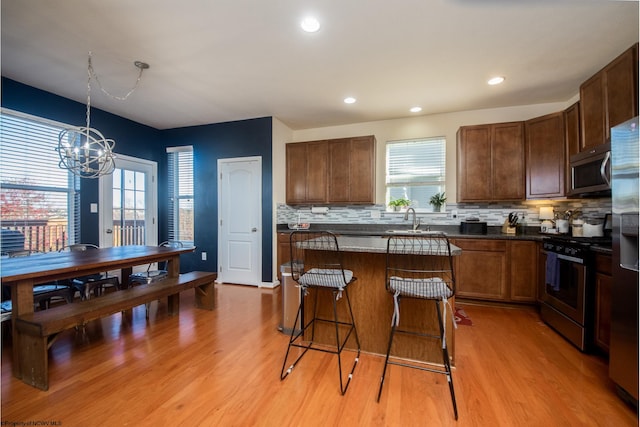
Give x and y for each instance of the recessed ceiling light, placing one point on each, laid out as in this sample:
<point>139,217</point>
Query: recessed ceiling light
<point>415,109</point>
<point>496,80</point>
<point>310,24</point>
<point>349,100</point>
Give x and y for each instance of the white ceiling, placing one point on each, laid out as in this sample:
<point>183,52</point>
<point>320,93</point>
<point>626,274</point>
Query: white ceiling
<point>222,60</point>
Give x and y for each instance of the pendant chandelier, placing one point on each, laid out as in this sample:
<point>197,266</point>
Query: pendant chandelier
<point>83,150</point>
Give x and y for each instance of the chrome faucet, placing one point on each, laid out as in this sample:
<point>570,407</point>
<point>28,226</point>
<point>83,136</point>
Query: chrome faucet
<point>416,221</point>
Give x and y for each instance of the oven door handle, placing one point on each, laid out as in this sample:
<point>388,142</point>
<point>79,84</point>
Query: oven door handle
<point>570,258</point>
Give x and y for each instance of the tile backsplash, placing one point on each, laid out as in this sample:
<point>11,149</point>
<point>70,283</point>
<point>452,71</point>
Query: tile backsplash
<point>592,210</point>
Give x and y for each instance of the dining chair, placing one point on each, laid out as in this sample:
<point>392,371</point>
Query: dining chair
<point>93,283</point>
<point>43,294</point>
<point>420,268</point>
<point>5,311</point>
<point>316,264</point>
<point>152,276</point>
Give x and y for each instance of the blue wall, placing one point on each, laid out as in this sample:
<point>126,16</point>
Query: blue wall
<point>210,143</point>
<point>218,141</point>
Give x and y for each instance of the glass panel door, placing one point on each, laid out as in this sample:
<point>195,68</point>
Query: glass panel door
<point>129,204</point>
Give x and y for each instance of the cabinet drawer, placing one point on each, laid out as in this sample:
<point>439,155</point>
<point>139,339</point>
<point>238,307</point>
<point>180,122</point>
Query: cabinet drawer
<point>603,264</point>
<point>482,245</point>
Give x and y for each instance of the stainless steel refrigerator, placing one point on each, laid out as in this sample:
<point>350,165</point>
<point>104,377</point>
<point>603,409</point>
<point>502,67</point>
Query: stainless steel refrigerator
<point>625,194</point>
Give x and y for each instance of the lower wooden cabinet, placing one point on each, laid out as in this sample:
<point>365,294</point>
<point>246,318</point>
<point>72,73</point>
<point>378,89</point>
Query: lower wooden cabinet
<point>523,270</point>
<point>481,269</point>
<point>603,283</point>
<point>542,267</point>
<point>497,270</point>
<point>284,251</point>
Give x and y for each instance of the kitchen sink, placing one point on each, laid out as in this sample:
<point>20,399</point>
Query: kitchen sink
<point>409,231</point>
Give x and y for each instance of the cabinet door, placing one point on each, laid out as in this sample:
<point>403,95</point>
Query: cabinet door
<point>621,87</point>
<point>284,252</point>
<point>481,269</point>
<point>545,151</point>
<point>603,284</point>
<point>523,270</point>
<point>507,151</point>
<point>592,112</point>
<point>317,168</point>
<point>362,173</point>
<point>603,311</point>
<point>339,170</point>
<point>541,279</point>
<point>609,98</point>
<point>296,168</point>
<point>571,140</point>
<point>352,170</point>
<point>474,163</point>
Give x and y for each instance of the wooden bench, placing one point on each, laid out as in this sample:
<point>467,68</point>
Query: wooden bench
<point>40,328</point>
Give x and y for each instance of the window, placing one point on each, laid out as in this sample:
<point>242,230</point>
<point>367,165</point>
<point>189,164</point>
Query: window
<point>415,170</point>
<point>39,201</point>
<point>181,194</point>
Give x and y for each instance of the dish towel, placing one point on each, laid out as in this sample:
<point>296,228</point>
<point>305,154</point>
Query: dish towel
<point>552,271</point>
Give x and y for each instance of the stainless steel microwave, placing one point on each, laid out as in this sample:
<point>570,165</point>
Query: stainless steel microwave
<point>591,172</point>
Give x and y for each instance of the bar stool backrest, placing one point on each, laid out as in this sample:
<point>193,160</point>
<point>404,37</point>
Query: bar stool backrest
<point>317,252</point>
<point>416,261</point>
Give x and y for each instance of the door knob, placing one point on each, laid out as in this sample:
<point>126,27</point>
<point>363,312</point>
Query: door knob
<point>109,231</point>
<point>253,230</point>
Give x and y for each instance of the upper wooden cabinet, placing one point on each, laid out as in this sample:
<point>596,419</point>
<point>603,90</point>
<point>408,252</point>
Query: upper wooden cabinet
<point>571,140</point>
<point>545,156</point>
<point>339,171</point>
<point>491,162</point>
<point>352,170</point>
<point>609,98</point>
<point>307,166</point>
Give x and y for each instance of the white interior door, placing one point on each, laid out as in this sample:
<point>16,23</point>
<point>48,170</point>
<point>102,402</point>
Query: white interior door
<point>129,203</point>
<point>240,220</point>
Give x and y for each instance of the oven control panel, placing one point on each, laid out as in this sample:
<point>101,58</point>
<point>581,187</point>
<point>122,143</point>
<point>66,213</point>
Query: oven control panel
<point>576,250</point>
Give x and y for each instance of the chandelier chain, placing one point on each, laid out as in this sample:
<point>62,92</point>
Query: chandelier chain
<point>89,95</point>
<point>92,73</point>
<point>84,151</point>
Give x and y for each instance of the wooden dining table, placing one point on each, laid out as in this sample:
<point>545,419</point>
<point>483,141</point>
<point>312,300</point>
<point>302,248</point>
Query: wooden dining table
<point>22,273</point>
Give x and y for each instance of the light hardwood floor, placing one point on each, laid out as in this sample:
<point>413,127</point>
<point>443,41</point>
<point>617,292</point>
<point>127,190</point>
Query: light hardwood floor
<point>221,368</point>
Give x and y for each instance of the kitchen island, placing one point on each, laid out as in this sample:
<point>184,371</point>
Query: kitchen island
<point>373,305</point>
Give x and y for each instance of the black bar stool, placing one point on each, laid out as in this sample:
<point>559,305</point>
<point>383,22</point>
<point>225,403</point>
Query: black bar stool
<point>421,268</point>
<point>316,264</point>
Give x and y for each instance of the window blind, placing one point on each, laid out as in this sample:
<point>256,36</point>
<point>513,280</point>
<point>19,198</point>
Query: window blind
<point>415,169</point>
<point>181,194</point>
<point>38,198</point>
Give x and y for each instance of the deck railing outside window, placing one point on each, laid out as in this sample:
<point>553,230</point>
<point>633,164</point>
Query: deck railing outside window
<point>43,236</point>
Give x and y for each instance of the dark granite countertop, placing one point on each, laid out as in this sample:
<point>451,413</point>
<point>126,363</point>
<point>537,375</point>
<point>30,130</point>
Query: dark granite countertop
<point>452,231</point>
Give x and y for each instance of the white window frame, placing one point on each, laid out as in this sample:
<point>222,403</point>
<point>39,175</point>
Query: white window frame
<point>412,163</point>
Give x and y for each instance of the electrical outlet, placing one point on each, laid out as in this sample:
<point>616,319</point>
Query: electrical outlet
<point>204,256</point>
<point>454,214</point>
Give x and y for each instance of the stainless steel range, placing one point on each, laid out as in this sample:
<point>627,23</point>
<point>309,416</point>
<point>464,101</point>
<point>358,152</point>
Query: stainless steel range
<point>569,297</point>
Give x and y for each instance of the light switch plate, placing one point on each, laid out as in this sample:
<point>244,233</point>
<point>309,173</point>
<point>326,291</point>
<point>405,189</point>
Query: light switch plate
<point>93,207</point>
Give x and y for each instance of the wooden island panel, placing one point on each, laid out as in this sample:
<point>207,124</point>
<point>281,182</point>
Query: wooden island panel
<point>372,309</point>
